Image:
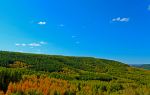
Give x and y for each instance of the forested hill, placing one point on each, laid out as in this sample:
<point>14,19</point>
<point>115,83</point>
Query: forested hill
<point>54,63</point>
<point>70,67</point>
<point>38,74</point>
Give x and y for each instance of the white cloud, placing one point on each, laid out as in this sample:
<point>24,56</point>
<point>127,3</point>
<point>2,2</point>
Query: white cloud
<point>119,19</point>
<point>23,44</point>
<point>31,45</point>
<point>17,44</point>
<point>34,44</point>
<point>20,44</point>
<point>42,22</point>
<point>43,43</point>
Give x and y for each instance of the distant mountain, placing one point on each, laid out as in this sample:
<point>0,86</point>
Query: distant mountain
<point>144,66</point>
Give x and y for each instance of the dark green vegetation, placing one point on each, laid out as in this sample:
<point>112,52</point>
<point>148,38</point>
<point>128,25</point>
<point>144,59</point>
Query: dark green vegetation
<point>108,76</point>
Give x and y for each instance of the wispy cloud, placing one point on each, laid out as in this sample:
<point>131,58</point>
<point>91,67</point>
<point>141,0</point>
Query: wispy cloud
<point>76,39</point>
<point>31,44</point>
<point>17,44</point>
<point>119,19</point>
<point>43,43</point>
<point>42,23</point>
<point>34,44</point>
<point>20,44</point>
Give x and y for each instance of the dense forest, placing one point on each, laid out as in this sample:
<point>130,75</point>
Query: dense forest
<point>38,74</point>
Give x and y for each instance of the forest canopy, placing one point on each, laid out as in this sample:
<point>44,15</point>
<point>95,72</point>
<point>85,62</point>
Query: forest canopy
<point>38,74</point>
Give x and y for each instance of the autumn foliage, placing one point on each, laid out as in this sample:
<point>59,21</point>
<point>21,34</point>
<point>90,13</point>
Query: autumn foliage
<point>42,85</point>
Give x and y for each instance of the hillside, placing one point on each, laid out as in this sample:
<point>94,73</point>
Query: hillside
<point>53,63</point>
<point>103,76</point>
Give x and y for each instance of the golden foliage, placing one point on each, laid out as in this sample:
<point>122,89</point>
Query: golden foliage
<point>44,85</point>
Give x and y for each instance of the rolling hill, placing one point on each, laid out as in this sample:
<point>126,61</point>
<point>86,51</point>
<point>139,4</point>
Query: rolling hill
<point>103,77</point>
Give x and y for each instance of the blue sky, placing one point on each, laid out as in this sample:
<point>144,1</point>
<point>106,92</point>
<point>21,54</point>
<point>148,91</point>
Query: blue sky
<point>112,29</point>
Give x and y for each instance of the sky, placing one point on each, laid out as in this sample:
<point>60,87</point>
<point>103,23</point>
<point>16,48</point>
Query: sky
<point>110,29</point>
